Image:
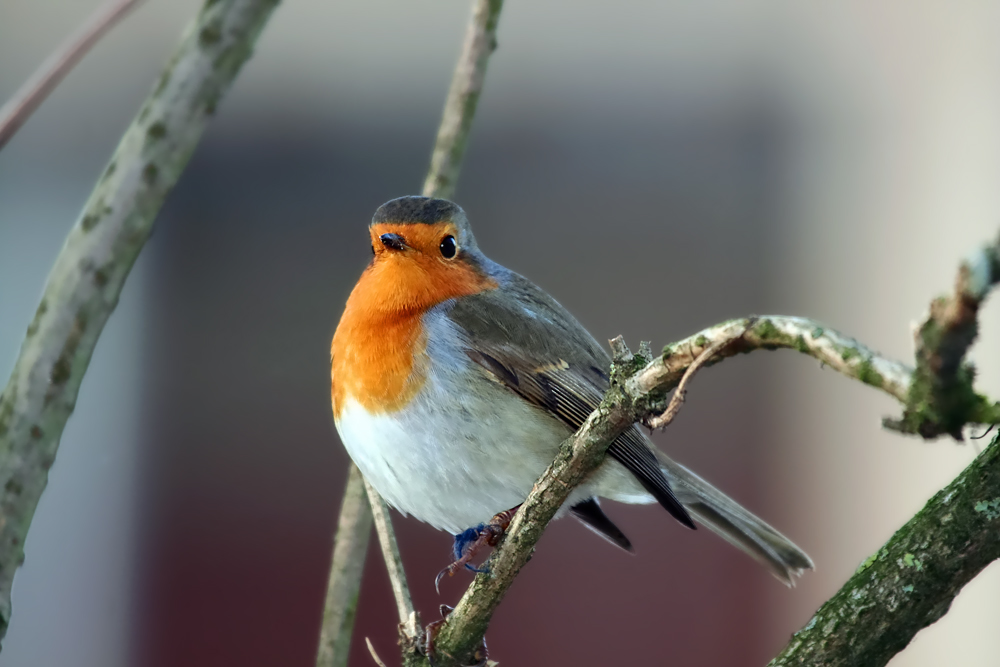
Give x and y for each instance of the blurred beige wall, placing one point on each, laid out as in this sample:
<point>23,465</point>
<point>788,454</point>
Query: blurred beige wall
<point>891,160</point>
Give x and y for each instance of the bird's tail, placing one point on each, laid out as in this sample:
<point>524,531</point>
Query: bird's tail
<point>735,524</point>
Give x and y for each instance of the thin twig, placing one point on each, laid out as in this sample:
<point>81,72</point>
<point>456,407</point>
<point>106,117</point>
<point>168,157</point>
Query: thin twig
<point>446,162</point>
<point>680,393</point>
<point>393,562</point>
<point>463,96</point>
<point>90,271</point>
<point>43,81</point>
<point>371,649</point>
<point>350,547</point>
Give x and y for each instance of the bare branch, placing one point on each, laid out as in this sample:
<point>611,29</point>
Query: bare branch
<point>393,564</point>
<point>29,96</point>
<point>349,549</point>
<point>88,275</point>
<point>772,332</point>
<point>446,162</point>
<point>638,390</point>
<point>941,399</point>
<point>371,650</point>
<point>463,630</point>
<point>677,400</point>
<point>911,581</point>
<point>463,96</point>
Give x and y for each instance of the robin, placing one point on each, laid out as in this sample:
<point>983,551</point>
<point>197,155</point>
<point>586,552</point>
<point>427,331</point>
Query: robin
<point>454,380</point>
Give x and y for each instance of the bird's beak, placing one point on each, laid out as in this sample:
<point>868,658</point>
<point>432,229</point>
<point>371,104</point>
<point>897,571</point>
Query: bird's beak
<point>393,241</point>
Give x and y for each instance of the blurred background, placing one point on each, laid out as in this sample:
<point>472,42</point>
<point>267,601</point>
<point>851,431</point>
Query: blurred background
<point>712,159</point>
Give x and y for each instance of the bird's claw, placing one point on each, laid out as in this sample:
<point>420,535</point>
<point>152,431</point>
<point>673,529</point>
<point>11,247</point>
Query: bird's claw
<point>471,541</point>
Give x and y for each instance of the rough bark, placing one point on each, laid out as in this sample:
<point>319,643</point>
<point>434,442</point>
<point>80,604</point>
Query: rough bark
<point>910,582</point>
<point>90,271</point>
<point>941,399</point>
<point>638,392</point>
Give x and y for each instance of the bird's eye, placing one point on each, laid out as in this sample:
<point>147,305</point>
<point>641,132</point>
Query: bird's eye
<point>448,247</point>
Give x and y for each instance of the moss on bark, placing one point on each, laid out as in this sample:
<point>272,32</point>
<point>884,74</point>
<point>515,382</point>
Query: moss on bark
<point>911,581</point>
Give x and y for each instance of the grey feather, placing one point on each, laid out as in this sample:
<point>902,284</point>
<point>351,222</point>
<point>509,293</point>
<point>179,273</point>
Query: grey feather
<point>523,339</point>
<point>733,523</point>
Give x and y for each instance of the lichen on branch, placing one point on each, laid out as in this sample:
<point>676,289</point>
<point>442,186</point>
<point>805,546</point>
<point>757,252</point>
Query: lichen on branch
<point>941,399</point>
<point>639,388</point>
<point>773,332</point>
<point>911,581</point>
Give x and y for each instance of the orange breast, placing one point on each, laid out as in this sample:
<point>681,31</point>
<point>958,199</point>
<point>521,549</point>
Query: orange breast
<point>377,354</point>
<point>374,361</point>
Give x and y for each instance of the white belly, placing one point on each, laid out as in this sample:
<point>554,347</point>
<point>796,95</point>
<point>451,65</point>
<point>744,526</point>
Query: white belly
<point>465,449</point>
<point>451,462</point>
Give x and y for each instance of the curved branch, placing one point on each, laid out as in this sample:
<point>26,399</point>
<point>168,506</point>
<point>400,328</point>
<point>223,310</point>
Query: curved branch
<point>638,392</point>
<point>771,332</point>
<point>88,275</point>
<point>28,97</point>
<point>463,630</point>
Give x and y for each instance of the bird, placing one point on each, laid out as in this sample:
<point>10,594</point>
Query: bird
<point>454,380</point>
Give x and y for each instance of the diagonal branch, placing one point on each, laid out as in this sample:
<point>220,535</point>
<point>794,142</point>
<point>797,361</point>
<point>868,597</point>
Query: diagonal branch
<point>90,271</point>
<point>638,391</point>
<point>28,97</point>
<point>446,162</point>
<point>408,621</point>
<point>350,546</point>
<point>911,581</point>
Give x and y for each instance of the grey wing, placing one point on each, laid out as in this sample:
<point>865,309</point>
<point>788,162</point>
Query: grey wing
<point>534,347</point>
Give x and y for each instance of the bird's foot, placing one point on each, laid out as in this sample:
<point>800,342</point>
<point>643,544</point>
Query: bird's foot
<point>471,541</point>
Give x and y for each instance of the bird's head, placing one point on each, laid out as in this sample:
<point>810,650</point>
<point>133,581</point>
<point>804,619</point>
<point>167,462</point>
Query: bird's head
<point>424,253</point>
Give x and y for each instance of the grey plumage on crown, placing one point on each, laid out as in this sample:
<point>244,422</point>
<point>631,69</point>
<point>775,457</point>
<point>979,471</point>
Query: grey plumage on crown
<point>414,209</point>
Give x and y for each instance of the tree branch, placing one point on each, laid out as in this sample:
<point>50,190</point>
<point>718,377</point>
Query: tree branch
<point>941,399</point>
<point>29,96</point>
<point>463,96</point>
<point>463,630</point>
<point>680,393</point>
<point>88,275</point>
<point>911,581</point>
<point>408,621</point>
<point>446,162</point>
<point>639,387</point>
<point>350,546</point>
<point>773,332</point>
